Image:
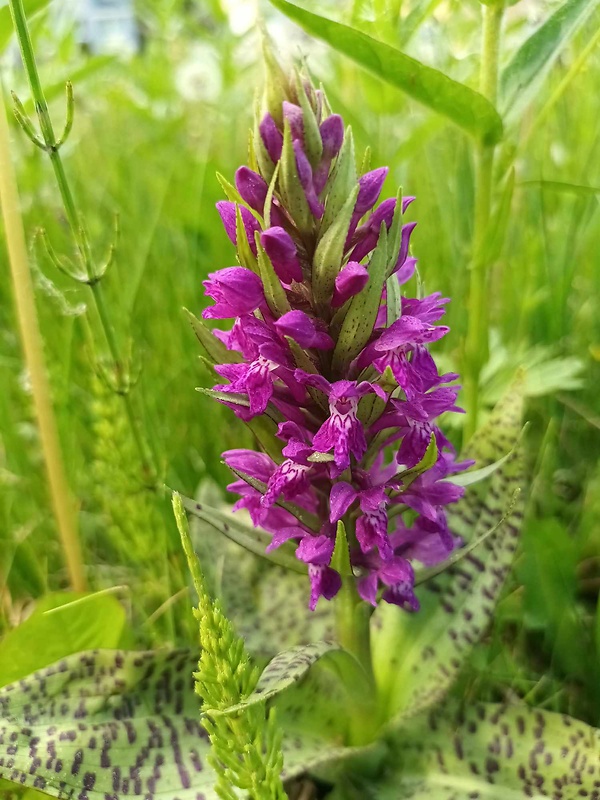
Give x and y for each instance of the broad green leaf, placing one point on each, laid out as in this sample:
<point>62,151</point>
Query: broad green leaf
<point>539,52</point>
<point>62,624</point>
<point>283,671</point>
<point>429,648</point>
<point>465,107</point>
<point>111,724</point>
<point>255,540</point>
<point>495,752</point>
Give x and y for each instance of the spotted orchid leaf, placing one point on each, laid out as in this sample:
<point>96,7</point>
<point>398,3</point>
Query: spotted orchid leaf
<point>495,752</point>
<point>279,617</point>
<point>267,604</point>
<point>428,649</point>
<point>283,671</point>
<point>110,724</point>
<point>252,539</point>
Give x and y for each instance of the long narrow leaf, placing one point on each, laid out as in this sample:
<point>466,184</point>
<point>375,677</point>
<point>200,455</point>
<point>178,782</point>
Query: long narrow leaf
<point>465,107</point>
<point>539,52</point>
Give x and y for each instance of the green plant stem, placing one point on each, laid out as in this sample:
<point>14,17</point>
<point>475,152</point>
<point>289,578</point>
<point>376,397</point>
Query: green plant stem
<point>353,633</point>
<point>62,501</point>
<point>78,232</point>
<point>476,344</point>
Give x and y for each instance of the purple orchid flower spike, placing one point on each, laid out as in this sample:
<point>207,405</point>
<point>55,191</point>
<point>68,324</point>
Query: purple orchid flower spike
<point>319,348</point>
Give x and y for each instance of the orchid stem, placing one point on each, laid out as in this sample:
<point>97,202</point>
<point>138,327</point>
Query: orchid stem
<point>476,344</point>
<point>62,501</point>
<point>78,231</point>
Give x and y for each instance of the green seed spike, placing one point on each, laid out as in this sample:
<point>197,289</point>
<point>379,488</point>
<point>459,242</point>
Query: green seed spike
<point>246,747</point>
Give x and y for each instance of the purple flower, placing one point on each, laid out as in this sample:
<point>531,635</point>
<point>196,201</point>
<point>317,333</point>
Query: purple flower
<point>372,525</point>
<point>350,422</point>
<point>272,137</point>
<point>341,432</point>
<point>324,582</point>
<point>351,280</point>
<point>280,248</point>
<point>227,211</point>
<point>305,176</point>
<point>235,291</point>
<point>305,330</point>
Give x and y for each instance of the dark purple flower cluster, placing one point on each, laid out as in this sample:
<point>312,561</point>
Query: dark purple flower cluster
<point>328,351</point>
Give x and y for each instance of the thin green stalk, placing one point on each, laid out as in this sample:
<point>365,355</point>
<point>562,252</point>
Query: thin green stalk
<point>62,501</point>
<point>353,633</point>
<point>476,344</point>
<point>93,274</point>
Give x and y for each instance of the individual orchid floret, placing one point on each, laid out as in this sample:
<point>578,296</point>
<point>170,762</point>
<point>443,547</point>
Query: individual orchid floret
<point>307,331</point>
<point>328,360</point>
<point>351,280</point>
<point>228,213</point>
<point>235,291</point>
<point>280,248</point>
<point>272,137</point>
<point>342,432</point>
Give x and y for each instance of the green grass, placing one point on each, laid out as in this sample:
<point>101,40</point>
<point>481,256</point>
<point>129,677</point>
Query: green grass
<point>140,149</point>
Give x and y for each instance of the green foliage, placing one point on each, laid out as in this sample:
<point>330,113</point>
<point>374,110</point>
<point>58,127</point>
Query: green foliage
<point>462,105</point>
<point>32,7</point>
<point>61,624</point>
<point>286,669</point>
<point>139,728</point>
<point>538,53</point>
<point>417,657</point>
<point>493,751</point>
<point>246,747</point>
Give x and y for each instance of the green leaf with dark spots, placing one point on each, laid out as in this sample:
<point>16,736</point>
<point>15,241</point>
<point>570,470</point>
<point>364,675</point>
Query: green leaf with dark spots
<point>494,752</point>
<point>418,656</point>
<point>116,724</point>
<point>283,671</point>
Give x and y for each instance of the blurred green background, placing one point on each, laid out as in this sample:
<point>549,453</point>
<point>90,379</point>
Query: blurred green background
<point>156,116</point>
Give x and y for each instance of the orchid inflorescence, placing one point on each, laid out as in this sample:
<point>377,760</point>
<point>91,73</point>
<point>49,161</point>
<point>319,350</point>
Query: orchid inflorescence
<point>326,347</point>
